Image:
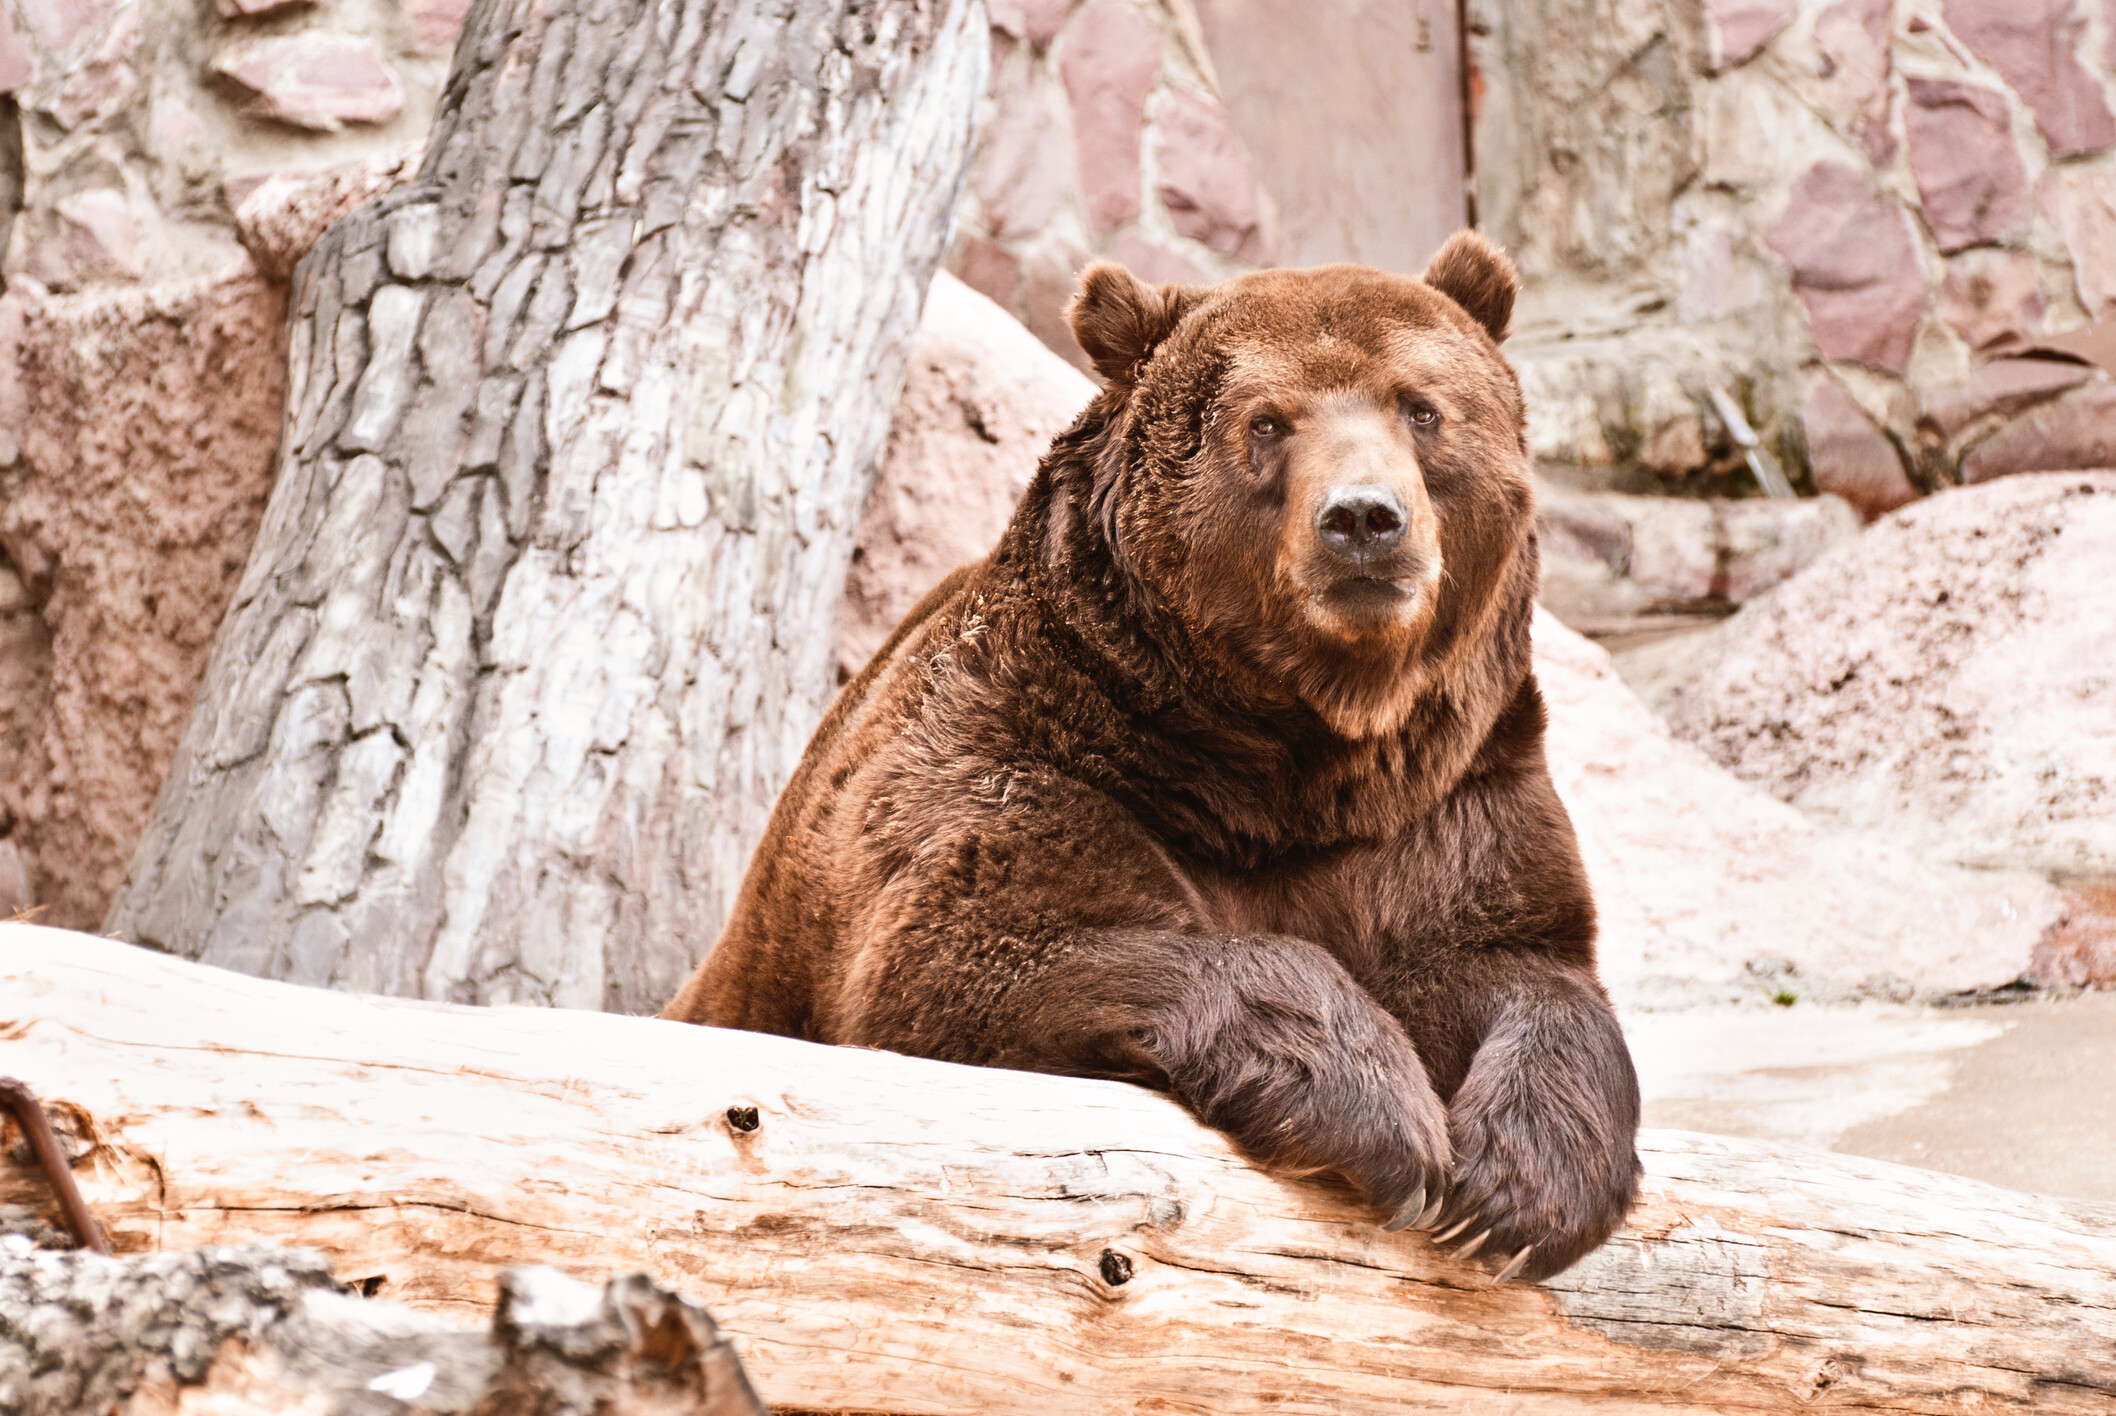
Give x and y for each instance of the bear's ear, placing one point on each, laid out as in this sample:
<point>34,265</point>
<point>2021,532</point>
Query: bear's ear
<point>1118,321</point>
<point>1476,275</point>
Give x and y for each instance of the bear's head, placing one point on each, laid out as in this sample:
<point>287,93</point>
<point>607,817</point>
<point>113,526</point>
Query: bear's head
<point>1321,474</point>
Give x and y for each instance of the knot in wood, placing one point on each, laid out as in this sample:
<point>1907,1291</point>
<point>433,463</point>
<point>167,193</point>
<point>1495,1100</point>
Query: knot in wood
<point>743,1118</point>
<point>1116,1268</point>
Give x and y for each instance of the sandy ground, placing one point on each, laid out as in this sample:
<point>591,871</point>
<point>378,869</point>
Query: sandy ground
<point>2018,1094</point>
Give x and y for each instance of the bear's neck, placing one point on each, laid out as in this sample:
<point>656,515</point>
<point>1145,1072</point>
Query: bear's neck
<point>1214,760</point>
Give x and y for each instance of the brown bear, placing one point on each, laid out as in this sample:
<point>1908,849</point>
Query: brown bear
<point>1224,772</point>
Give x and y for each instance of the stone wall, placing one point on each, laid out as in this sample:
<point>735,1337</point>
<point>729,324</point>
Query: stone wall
<point>1103,137</point>
<point>1884,226</point>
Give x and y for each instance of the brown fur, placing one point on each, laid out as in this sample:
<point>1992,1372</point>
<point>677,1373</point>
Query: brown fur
<point>1172,787</point>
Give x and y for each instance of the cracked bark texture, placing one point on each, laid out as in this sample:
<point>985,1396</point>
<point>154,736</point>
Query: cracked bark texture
<point>579,425</point>
<point>242,1331</point>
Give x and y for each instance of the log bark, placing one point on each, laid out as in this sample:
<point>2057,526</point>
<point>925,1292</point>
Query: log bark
<point>257,1330</point>
<point>579,425</point>
<point>889,1234</point>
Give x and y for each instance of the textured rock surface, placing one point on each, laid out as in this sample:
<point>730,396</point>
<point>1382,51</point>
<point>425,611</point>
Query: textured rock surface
<point>1351,114</point>
<point>25,699</point>
<point>1736,193</point>
<point>1989,297</point>
<point>982,400</point>
<point>1847,455</point>
<point>1608,555</point>
<point>242,1331</point>
<point>1738,28</point>
<point>132,568</point>
<point>2034,45</point>
<point>1205,183</point>
<point>1855,265</point>
<point>1708,887</point>
<point>1112,58</point>
<point>312,80</point>
<point>1949,679</point>
<point>2076,430</point>
<point>2082,202</point>
<point>1970,178</point>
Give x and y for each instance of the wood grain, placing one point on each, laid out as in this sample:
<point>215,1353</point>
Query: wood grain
<point>905,1236</point>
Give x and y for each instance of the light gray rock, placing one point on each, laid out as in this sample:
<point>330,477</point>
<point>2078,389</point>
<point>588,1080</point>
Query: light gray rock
<point>1950,679</point>
<point>982,400</point>
<point>1709,888</point>
<point>1609,555</point>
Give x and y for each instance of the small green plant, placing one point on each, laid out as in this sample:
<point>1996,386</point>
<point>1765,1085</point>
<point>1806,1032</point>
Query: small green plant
<point>1785,998</point>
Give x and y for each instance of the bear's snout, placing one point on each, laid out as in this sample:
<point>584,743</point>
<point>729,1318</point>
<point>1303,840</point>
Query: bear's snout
<point>1361,522</point>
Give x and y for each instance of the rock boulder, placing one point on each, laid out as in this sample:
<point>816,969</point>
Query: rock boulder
<point>982,400</point>
<point>1709,888</point>
<point>1949,678</point>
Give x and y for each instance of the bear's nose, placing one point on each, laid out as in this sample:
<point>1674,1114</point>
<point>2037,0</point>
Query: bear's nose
<point>1360,521</point>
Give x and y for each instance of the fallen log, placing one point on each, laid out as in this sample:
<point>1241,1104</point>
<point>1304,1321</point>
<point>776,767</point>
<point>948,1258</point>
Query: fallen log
<point>883,1234</point>
<point>257,1331</point>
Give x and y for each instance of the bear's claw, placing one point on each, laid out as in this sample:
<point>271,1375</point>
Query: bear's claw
<point>1514,1265</point>
<point>1454,1229</point>
<point>1408,1217</point>
<point>1473,1245</point>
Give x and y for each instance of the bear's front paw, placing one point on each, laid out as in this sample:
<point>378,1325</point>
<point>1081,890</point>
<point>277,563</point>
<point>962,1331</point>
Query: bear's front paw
<point>1376,1123</point>
<point>1535,1193</point>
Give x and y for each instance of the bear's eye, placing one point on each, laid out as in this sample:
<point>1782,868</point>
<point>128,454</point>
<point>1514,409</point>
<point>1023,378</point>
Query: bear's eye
<point>1263,425</point>
<point>1423,414</point>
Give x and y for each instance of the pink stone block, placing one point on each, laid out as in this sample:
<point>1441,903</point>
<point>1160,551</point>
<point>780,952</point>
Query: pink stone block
<point>1110,59</point>
<point>2082,203</point>
<point>1991,297</point>
<point>1738,28</point>
<point>989,268</point>
<point>1037,21</point>
<point>1024,165</point>
<point>2077,431</point>
<point>2034,45</point>
<point>1970,178</point>
<point>436,23</point>
<point>2003,387</point>
<point>1848,456</point>
<point>1855,265</point>
<point>311,80</point>
<point>1152,262</point>
<point>1205,182</point>
<point>1853,36</point>
<point>15,66</point>
<point>242,9</point>
<point>58,24</point>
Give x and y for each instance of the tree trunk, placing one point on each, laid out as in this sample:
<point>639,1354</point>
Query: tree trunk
<point>889,1234</point>
<point>259,1331</point>
<point>579,424</point>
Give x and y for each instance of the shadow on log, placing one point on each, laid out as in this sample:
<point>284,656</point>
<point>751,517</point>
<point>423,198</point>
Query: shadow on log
<point>887,1234</point>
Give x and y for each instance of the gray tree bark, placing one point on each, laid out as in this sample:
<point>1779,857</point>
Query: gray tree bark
<point>579,425</point>
<point>251,1330</point>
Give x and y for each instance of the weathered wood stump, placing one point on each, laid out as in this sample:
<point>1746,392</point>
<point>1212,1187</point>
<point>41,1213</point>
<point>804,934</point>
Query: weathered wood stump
<point>887,1234</point>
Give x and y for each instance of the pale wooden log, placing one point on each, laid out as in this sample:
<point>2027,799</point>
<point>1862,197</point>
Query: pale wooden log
<point>259,1330</point>
<point>905,1236</point>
